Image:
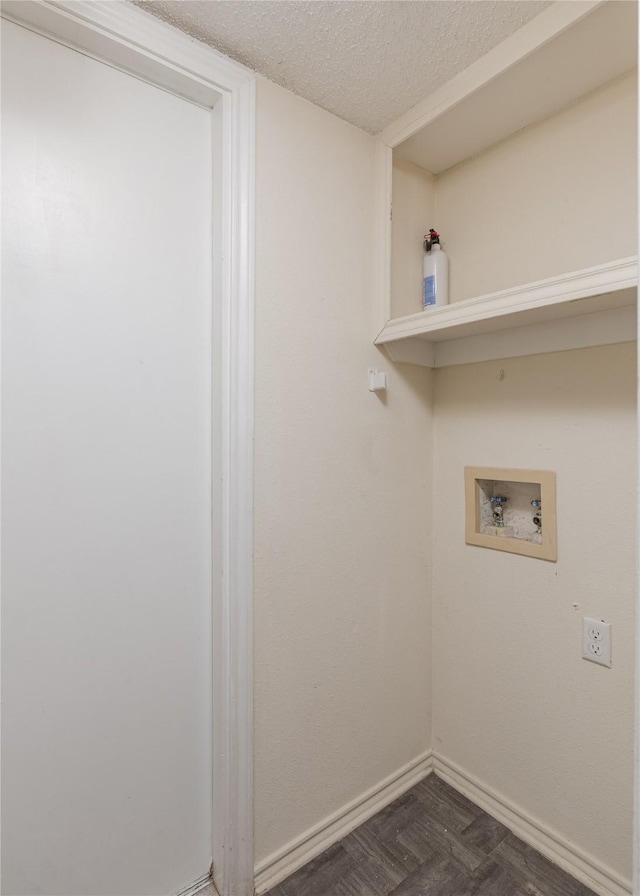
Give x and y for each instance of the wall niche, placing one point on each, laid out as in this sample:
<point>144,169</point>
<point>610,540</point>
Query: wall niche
<point>511,510</point>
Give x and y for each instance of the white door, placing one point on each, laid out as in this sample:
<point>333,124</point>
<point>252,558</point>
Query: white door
<point>106,251</point>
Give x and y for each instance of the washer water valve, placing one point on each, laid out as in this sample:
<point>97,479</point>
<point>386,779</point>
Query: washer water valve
<point>498,511</point>
<point>537,516</point>
<point>498,507</point>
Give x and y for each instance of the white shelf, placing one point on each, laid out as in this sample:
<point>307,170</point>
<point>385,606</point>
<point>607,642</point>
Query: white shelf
<point>522,81</point>
<point>556,59</point>
<point>595,306</point>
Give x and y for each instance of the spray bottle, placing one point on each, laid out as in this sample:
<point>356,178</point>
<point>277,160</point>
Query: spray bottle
<point>435,271</point>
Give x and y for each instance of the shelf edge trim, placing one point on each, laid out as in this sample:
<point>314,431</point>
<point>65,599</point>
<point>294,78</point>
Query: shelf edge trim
<point>598,280</point>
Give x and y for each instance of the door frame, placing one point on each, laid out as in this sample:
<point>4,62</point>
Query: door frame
<point>132,40</point>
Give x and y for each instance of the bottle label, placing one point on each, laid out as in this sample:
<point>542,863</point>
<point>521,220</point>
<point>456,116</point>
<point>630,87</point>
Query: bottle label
<point>429,291</point>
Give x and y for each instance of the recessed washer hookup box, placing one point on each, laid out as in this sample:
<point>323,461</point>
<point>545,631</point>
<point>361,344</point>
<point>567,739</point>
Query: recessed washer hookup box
<point>511,510</point>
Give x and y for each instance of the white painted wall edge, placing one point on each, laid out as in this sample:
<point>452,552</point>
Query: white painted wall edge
<point>550,843</point>
<point>636,788</point>
<point>233,646</point>
<point>382,236</point>
<point>130,39</point>
<point>279,865</point>
<point>636,729</point>
<point>133,41</point>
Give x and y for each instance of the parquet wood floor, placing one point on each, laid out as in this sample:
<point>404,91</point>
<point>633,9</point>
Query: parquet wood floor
<point>431,841</point>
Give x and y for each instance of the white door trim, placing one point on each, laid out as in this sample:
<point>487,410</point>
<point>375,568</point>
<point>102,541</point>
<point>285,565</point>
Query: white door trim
<point>130,39</point>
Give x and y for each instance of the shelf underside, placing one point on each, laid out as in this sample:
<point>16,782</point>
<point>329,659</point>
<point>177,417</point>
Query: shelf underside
<point>601,47</point>
<point>602,301</point>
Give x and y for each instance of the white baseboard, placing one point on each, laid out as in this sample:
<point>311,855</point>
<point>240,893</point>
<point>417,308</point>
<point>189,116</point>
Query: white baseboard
<point>584,867</point>
<point>554,846</point>
<point>279,865</point>
<point>199,886</point>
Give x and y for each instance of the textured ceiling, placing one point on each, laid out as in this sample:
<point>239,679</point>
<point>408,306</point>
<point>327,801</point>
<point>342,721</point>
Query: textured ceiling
<point>367,61</point>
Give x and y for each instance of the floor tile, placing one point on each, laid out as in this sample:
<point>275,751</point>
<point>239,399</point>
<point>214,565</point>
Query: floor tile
<point>418,840</point>
<point>492,880</point>
<point>392,819</point>
<point>484,833</point>
<point>376,864</point>
<point>437,877</point>
<point>432,834</point>
<point>319,876</point>
<point>442,802</point>
<point>538,875</point>
<point>393,851</point>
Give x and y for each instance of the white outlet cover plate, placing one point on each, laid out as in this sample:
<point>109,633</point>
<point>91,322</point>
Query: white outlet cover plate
<point>596,641</point>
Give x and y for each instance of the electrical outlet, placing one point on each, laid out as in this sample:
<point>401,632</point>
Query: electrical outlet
<point>596,641</point>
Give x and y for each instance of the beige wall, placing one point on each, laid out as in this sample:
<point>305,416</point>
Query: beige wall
<point>413,191</point>
<point>342,501</point>
<point>514,704</point>
<point>344,509</point>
